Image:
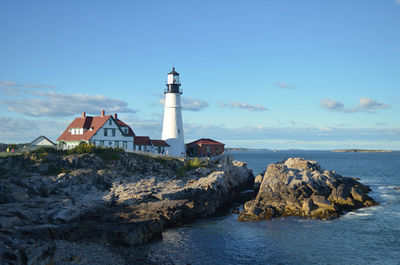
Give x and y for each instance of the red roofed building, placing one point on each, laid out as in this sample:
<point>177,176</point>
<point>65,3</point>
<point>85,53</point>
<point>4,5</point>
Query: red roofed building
<point>103,130</point>
<point>160,146</point>
<point>204,147</point>
<point>145,144</point>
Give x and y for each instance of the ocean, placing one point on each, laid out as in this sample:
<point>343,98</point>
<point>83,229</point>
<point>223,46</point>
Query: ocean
<point>366,236</point>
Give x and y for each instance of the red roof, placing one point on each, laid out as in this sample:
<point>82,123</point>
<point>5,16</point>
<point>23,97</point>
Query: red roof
<point>91,125</point>
<point>123,124</point>
<point>142,140</point>
<point>159,143</point>
<point>205,141</point>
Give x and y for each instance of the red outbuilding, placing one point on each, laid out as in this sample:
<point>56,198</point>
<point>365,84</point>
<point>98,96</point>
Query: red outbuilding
<point>204,147</point>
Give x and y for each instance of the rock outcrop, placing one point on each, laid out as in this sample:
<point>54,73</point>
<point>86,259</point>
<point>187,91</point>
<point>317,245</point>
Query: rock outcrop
<point>126,201</point>
<point>299,187</point>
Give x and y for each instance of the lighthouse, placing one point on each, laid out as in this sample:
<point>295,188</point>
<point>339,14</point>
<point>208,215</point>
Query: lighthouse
<point>172,131</point>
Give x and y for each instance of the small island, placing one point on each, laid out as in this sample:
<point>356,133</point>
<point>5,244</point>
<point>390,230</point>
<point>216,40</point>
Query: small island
<point>360,151</point>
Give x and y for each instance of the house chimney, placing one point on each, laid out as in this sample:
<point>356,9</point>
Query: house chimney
<point>115,115</point>
<point>103,113</point>
<point>83,115</point>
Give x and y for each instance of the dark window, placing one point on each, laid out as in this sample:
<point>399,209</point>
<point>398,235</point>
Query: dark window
<point>105,132</point>
<point>101,143</point>
<point>110,122</point>
<point>113,132</point>
<point>179,130</point>
<point>109,143</point>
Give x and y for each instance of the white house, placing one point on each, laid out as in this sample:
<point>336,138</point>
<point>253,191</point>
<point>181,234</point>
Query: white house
<point>104,130</point>
<point>42,141</point>
<point>107,131</point>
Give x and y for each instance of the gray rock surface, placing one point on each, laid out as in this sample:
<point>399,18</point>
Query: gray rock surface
<point>127,201</point>
<point>299,187</point>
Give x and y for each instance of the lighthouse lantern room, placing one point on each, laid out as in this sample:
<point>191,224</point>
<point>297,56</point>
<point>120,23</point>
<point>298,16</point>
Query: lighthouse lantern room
<point>172,131</point>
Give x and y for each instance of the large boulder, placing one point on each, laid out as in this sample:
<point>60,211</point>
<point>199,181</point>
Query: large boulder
<point>300,187</point>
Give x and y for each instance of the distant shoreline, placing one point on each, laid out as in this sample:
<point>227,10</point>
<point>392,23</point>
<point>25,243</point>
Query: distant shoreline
<point>326,150</point>
<point>361,151</point>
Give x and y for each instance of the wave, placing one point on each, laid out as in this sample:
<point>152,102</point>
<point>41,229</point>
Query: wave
<point>390,187</point>
<point>389,196</point>
<point>358,214</point>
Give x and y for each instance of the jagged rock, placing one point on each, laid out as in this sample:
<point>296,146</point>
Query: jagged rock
<point>19,252</point>
<point>301,187</point>
<point>257,181</point>
<point>128,201</point>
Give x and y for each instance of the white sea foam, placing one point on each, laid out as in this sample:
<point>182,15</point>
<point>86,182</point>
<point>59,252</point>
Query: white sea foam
<point>389,196</point>
<point>389,187</point>
<point>358,214</point>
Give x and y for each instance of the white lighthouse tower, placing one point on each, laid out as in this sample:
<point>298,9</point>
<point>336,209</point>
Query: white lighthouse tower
<point>172,131</point>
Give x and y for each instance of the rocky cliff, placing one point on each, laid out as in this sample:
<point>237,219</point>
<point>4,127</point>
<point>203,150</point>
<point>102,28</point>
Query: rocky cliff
<point>127,200</point>
<point>299,187</point>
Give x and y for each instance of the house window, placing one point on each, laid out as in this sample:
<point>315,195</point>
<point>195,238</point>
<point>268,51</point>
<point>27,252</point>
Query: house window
<point>116,144</point>
<point>126,130</point>
<point>208,149</point>
<point>105,132</point>
<point>110,121</point>
<point>101,143</point>
<point>113,132</point>
<point>125,144</point>
<point>179,130</point>
<point>109,143</point>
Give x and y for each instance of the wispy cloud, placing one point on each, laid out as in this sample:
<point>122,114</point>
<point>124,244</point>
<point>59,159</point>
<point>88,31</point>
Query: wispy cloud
<point>242,105</point>
<point>190,104</point>
<point>397,2</point>
<point>364,105</point>
<point>55,104</point>
<point>285,85</point>
<point>26,130</point>
<point>25,85</point>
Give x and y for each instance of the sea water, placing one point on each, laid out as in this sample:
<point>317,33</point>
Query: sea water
<point>365,236</point>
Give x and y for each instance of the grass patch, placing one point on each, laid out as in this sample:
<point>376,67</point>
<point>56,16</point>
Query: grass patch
<point>8,154</point>
<point>189,165</point>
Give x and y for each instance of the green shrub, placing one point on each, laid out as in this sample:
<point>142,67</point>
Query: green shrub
<point>104,153</point>
<point>188,165</point>
<point>82,149</point>
<point>193,163</point>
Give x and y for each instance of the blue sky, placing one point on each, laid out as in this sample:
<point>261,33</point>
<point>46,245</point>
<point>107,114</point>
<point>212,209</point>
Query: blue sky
<point>264,74</point>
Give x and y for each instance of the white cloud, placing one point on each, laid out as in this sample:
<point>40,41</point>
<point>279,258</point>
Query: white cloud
<point>364,105</point>
<point>55,104</point>
<point>242,105</point>
<point>285,85</point>
<point>368,104</point>
<point>397,2</point>
<point>306,137</point>
<point>25,131</point>
<point>190,104</point>
<point>331,104</point>
<point>277,137</point>
<point>25,85</point>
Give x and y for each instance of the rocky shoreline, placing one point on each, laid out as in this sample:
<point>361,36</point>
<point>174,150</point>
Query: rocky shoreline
<point>300,187</point>
<point>126,201</point>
